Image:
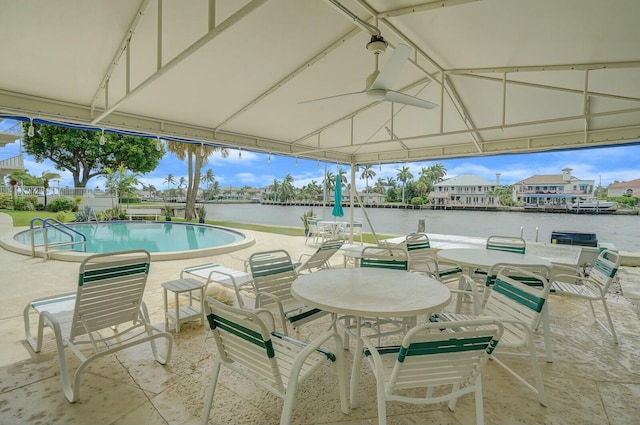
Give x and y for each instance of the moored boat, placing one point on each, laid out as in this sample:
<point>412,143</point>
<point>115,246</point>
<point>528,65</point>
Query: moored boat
<point>592,204</point>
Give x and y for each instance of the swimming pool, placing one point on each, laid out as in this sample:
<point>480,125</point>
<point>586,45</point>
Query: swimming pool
<point>164,240</point>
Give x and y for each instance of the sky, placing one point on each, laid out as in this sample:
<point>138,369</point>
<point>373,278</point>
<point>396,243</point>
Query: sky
<point>603,165</point>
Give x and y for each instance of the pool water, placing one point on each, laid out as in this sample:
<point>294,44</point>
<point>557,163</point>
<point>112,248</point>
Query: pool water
<point>151,236</point>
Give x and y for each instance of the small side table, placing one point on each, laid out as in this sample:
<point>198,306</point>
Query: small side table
<point>187,313</point>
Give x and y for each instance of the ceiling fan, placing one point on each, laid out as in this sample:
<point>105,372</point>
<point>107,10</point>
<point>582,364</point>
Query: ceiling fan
<point>379,82</point>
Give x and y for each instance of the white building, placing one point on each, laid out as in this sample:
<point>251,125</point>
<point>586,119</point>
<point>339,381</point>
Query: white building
<point>631,188</point>
<point>467,189</point>
<point>552,188</point>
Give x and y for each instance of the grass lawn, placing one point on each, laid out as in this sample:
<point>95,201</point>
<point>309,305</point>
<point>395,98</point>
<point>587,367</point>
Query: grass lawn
<point>23,218</point>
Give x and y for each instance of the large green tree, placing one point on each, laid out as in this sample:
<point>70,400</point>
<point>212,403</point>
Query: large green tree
<point>81,153</point>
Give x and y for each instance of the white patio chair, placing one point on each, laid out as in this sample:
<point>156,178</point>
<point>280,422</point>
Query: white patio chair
<point>594,287</point>
<point>423,260</point>
<point>313,230</point>
<point>514,244</point>
<point>484,288</point>
<point>394,258</point>
<point>356,228</point>
<point>444,358</point>
<point>273,274</point>
<point>275,362</point>
<point>109,294</point>
<point>519,307</point>
<point>319,259</point>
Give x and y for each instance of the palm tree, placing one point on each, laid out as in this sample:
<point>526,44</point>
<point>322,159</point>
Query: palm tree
<point>367,173</point>
<point>181,184</point>
<point>286,188</point>
<point>196,156</point>
<point>380,186</point>
<point>404,175</point>
<point>169,180</point>
<point>46,177</point>
<point>390,182</point>
<point>275,187</point>
<point>209,178</point>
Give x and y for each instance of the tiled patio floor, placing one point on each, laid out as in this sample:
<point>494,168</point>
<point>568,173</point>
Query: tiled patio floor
<point>590,381</point>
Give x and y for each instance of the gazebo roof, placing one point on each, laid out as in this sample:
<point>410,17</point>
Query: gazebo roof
<point>507,76</point>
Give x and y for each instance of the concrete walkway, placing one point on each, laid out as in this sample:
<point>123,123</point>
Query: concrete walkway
<point>591,379</point>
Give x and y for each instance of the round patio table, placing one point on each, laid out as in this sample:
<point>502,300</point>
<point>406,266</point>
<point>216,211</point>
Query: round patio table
<point>370,292</point>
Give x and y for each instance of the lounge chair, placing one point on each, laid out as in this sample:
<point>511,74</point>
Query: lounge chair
<point>109,295</point>
<point>319,259</point>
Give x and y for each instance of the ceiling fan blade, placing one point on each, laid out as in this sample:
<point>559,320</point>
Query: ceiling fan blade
<point>392,68</point>
<point>397,97</point>
<point>332,97</point>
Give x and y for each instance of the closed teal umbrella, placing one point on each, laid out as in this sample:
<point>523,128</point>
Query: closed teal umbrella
<point>337,207</point>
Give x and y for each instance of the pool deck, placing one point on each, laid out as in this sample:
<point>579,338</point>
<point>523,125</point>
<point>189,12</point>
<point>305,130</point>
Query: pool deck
<point>591,379</point>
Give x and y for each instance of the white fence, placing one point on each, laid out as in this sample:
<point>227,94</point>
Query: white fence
<point>99,201</point>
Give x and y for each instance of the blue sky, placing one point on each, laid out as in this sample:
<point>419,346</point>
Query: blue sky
<point>604,165</point>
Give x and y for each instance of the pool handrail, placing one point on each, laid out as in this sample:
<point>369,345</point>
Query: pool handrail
<point>59,226</point>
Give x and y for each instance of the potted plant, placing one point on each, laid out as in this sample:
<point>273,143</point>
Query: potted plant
<point>202,213</point>
<point>305,220</point>
<point>168,212</point>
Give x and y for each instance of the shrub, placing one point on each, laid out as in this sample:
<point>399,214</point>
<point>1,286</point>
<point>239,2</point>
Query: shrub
<point>5,201</point>
<point>61,216</point>
<point>32,199</point>
<point>61,204</point>
<point>417,201</point>
<point>24,205</point>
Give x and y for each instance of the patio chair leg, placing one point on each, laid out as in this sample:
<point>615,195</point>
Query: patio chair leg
<point>208,401</point>
<point>611,329</point>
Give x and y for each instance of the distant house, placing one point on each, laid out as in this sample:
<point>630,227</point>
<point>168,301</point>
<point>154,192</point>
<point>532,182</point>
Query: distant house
<point>363,197</point>
<point>631,188</point>
<point>552,188</point>
<point>466,189</point>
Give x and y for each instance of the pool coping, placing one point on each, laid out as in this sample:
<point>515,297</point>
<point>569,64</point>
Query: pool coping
<point>8,242</point>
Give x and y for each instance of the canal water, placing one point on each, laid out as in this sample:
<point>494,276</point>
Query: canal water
<point>621,230</point>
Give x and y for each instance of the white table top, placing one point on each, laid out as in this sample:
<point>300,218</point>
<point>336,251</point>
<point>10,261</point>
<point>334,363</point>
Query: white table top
<point>371,292</point>
<point>480,257</point>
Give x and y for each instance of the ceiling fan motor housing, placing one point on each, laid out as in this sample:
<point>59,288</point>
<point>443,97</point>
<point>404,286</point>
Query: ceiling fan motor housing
<point>377,44</point>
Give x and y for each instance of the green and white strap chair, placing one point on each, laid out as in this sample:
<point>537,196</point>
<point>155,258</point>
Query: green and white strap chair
<point>593,287</point>
<point>393,258</point>
<point>273,274</point>
<point>446,359</point>
<point>520,308</point>
<point>423,260</point>
<point>514,244</point>
<point>271,360</point>
<point>109,297</point>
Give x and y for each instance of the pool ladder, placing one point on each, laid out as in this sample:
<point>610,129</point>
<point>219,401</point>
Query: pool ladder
<point>58,226</point>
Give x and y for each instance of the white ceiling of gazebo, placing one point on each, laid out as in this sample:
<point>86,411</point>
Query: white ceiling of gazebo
<point>508,75</point>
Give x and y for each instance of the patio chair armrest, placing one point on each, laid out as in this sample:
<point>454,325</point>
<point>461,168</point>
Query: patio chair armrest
<point>374,357</point>
<point>303,256</point>
<point>271,321</point>
<point>570,278</point>
<point>314,345</point>
<point>563,269</point>
<point>275,299</point>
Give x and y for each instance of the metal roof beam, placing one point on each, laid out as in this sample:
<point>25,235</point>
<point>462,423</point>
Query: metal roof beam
<point>228,23</point>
